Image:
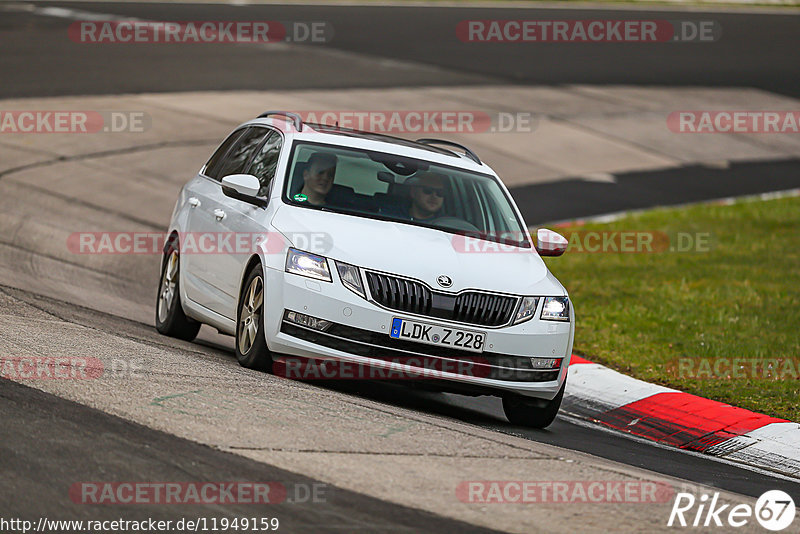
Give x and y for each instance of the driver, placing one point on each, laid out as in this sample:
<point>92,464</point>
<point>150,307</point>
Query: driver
<point>427,196</point>
<point>318,177</point>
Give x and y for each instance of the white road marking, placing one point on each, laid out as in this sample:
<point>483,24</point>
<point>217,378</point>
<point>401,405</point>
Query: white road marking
<point>64,13</point>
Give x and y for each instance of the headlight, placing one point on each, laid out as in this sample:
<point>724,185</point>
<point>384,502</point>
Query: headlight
<point>555,309</point>
<point>351,278</point>
<point>526,309</point>
<point>307,264</point>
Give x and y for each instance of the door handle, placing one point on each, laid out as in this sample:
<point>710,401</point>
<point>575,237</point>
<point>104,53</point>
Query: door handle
<point>193,202</point>
<point>219,214</point>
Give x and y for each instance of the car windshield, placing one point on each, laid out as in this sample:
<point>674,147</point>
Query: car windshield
<point>391,187</point>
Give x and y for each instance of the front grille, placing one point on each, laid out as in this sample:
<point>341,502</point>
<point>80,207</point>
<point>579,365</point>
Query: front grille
<point>400,294</point>
<point>411,296</point>
<point>483,308</point>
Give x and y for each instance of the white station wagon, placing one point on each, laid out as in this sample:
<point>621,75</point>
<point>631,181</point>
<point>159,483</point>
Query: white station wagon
<point>326,245</point>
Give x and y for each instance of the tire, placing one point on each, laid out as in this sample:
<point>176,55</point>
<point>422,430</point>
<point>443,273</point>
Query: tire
<point>534,413</point>
<point>251,345</point>
<point>170,319</point>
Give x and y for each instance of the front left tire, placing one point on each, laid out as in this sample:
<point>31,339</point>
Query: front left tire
<point>530,412</point>
<point>170,319</point>
<point>251,345</point>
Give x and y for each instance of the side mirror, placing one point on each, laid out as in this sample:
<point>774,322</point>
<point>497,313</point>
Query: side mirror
<point>243,187</point>
<point>550,243</point>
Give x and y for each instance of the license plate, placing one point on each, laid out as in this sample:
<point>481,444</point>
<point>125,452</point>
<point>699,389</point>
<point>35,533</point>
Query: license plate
<point>432,334</point>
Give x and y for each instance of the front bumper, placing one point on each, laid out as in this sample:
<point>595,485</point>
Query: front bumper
<point>360,335</point>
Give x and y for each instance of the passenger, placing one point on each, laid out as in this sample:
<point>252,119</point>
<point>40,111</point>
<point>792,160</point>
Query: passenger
<point>318,178</point>
<point>427,196</point>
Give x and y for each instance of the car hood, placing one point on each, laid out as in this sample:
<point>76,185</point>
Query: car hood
<point>417,252</point>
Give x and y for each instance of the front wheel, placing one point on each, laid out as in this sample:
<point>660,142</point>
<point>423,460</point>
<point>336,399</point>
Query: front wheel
<point>534,413</point>
<point>170,319</point>
<point>251,345</point>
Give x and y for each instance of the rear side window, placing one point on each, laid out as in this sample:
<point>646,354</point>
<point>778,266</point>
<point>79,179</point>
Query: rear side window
<point>214,164</point>
<point>266,161</point>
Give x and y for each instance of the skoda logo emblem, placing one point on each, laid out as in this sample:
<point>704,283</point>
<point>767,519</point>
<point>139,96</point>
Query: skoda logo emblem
<point>444,281</point>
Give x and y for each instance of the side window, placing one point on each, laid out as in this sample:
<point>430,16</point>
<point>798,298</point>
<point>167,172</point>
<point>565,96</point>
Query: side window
<point>266,161</point>
<point>239,155</point>
<point>214,164</point>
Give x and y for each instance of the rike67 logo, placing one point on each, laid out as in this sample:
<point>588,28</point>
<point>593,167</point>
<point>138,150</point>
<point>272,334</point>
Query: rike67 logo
<point>774,510</point>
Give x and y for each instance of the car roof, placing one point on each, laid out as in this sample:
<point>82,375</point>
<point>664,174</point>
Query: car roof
<point>338,130</point>
<point>336,135</point>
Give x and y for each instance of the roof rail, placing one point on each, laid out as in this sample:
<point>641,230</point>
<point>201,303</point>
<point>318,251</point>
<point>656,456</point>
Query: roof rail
<point>298,121</point>
<point>469,153</point>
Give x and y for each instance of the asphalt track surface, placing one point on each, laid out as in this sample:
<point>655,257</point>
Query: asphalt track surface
<point>544,202</point>
<point>487,412</point>
<point>756,50</point>
<point>88,444</point>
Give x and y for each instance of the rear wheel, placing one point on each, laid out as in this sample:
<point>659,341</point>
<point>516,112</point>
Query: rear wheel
<point>251,345</point>
<point>530,412</point>
<point>170,319</point>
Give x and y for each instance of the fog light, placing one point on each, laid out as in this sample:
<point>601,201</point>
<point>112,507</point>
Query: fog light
<point>546,363</point>
<point>308,321</point>
<point>351,278</point>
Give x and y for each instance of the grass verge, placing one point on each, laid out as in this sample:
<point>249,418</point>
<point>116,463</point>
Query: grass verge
<point>720,319</point>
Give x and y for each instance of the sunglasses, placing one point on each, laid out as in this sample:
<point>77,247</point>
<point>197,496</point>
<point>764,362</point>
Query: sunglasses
<point>433,191</point>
